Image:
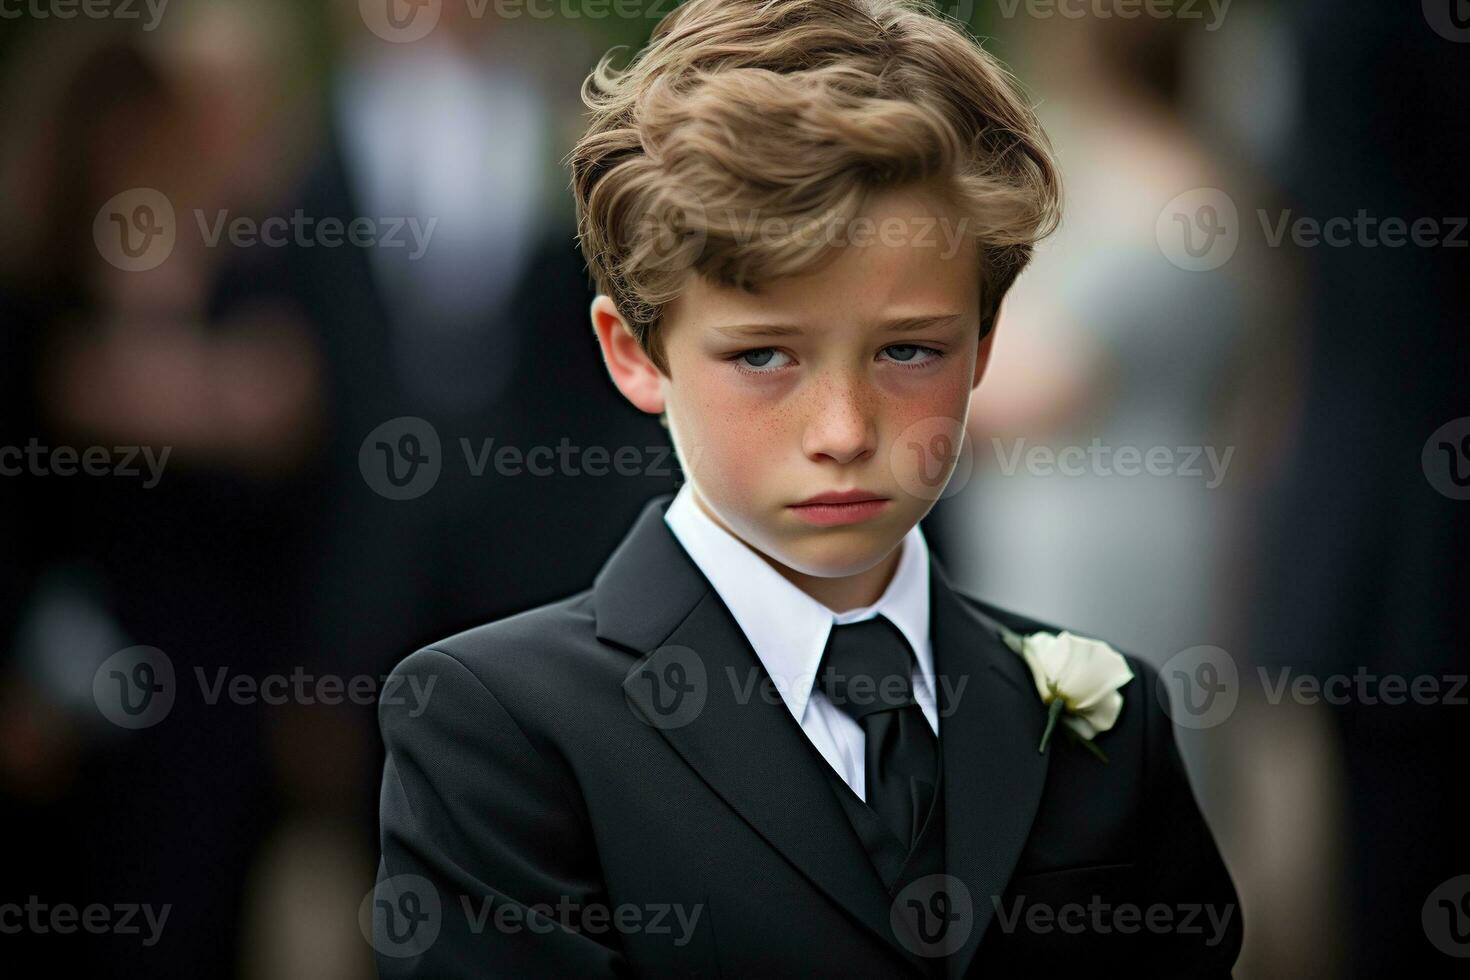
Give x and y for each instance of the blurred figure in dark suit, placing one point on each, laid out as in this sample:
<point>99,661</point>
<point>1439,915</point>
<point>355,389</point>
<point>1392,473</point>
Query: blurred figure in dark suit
<point>474,329</point>
<point>198,559</point>
<point>1366,561</point>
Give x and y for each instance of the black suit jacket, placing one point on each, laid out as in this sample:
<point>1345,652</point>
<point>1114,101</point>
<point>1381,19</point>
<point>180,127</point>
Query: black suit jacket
<point>607,760</point>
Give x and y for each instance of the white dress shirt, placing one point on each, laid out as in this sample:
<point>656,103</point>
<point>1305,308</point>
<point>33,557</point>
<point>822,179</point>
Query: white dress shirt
<point>447,149</point>
<point>788,629</point>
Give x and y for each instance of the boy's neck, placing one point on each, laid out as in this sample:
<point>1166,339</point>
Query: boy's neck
<point>838,594</point>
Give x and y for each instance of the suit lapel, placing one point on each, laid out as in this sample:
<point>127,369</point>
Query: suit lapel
<point>990,721</point>
<point>735,731</point>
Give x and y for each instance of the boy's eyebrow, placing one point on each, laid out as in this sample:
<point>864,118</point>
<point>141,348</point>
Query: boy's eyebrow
<point>906,324</point>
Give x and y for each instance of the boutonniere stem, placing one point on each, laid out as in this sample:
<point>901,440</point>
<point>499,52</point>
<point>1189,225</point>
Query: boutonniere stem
<point>1077,679</point>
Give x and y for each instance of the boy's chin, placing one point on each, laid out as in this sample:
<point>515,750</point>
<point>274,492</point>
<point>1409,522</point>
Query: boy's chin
<point>835,552</point>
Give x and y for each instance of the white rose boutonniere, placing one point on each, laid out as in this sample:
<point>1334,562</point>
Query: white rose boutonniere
<point>1078,680</point>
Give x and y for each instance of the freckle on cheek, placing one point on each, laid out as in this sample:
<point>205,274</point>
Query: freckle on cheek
<point>947,400</point>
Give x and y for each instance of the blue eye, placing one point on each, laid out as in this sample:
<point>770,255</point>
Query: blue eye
<point>757,360</point>
<point>911,353</point>
<point>765,360</point>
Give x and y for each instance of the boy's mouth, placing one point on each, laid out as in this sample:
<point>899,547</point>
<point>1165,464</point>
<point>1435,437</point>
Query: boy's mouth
<point>840,507</point>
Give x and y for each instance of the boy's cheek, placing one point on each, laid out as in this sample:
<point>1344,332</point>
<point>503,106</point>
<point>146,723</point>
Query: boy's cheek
<point>741,469</point>
<point>923,415</point>
<point>726,448</point>
<point>735,426</point>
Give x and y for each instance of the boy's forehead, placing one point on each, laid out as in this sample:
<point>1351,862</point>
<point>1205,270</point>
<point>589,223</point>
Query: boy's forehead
<point>897,260</point>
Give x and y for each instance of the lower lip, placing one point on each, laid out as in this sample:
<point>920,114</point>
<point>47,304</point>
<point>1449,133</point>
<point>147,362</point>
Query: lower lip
<point>829,514</point>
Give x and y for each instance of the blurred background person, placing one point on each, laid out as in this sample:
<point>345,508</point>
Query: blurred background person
<point>475,332</point>
<point>1106,342</point>
<point>1363,556</point>
<point>265,548</point>
<point>195,557</point>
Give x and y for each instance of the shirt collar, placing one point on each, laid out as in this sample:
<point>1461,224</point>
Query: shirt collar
<point>787,628</point>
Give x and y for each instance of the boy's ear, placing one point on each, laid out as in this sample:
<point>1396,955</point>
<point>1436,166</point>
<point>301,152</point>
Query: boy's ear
<point>636,376</point>
<point>982,354</point>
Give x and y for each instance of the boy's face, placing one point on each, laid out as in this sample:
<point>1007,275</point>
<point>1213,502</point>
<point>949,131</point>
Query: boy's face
<point>839,399</point>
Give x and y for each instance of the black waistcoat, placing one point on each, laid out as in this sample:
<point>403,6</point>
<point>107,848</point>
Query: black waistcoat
<point>896,866</point>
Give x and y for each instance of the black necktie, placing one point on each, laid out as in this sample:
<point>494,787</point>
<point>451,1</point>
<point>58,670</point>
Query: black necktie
<point>867,673</point>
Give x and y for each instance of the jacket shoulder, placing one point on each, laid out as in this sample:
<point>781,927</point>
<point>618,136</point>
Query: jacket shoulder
<point>535,628</point>
<point>548,641</point>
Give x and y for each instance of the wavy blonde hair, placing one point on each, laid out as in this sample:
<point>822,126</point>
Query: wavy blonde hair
<point>799,110</point>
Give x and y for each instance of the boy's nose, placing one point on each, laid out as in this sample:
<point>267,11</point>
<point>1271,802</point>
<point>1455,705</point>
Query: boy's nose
<point>840,425</point>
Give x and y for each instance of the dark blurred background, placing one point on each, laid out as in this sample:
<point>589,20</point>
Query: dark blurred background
<point>296,375</point>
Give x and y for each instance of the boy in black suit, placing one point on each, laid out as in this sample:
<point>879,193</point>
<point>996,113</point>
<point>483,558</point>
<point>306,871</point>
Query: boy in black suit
<point>772,739</point>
